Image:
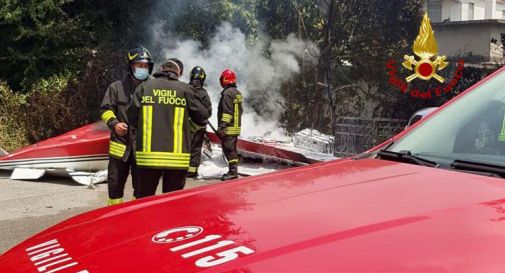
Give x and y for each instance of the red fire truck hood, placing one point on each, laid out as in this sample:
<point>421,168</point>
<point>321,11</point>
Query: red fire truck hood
<point>343,216</point>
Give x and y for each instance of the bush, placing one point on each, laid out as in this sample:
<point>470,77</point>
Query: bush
<point>12,135</point>
<point>65,102</point>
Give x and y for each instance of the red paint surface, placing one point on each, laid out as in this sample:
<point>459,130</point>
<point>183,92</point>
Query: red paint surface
<point>92,139</point>
<point>267,150</point>
<point>343,216</point>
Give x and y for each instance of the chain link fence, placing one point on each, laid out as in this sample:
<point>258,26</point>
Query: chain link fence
<point>355,135</point>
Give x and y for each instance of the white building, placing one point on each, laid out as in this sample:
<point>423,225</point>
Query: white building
<point>464,10</point>
<point>469,28</point>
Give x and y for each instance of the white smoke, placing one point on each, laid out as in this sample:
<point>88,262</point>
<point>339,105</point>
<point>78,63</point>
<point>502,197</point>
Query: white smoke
<point>256,73</point>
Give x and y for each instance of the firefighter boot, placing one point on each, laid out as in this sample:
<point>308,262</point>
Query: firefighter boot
<point>116,201</point>
<point>192,172</point>
<point>232,173</point>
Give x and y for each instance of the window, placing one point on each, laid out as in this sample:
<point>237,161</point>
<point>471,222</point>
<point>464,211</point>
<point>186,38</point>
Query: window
<point>470,129</point>
<point>435,10</point>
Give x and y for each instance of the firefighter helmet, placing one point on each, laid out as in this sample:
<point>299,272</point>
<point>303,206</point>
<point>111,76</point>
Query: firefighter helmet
<point>140,54</point>
<point>228,77</point>
<point>180,65</point>
<point>197,73</point>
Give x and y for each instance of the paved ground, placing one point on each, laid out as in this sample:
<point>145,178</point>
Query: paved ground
<point>28,207</point>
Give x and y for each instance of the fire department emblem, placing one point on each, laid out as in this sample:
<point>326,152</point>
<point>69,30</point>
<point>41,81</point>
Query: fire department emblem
<point>176,234</point>
<point>426,48</point>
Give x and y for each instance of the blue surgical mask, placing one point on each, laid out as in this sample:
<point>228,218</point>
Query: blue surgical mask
<point>141,74</point>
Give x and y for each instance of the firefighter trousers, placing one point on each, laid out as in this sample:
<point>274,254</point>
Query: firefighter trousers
<point>230,151</point>
<point>196,151</point>
<point>173,180</point>
<point>117,175</point>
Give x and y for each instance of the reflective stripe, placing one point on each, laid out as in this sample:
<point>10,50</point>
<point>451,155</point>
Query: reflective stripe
<point>233,161</point>
<point>150,163</point>
<point>192,169</point>
<point>147,119</point>
<point>232,131</point>
<point>107,115</point>
<point>178,122</point>
<point>226,117</point>
<point>115,201</point>
<point>116,149</point>
<point>163,155</point>
<point>501,137</point>
<point>236,113</point>
<point>162,159</point>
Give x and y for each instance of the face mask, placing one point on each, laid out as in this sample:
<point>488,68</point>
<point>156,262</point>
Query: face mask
<point>141,74</point>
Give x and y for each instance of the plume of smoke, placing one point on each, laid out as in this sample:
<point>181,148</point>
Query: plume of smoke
<point>261,68</point>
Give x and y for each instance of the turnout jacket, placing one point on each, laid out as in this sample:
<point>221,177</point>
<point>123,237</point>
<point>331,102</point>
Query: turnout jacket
<point>229,112</point>
<point>161,109</point>
<point>113,110</point>
<point>204,97</point>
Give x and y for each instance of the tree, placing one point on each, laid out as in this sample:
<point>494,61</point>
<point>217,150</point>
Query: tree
<point>39,39</point>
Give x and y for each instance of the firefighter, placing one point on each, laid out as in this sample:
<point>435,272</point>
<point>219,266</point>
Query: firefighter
<point>114,112</point>
<point>197,80</point>
<point>161,109</point>
<point>229,119</point>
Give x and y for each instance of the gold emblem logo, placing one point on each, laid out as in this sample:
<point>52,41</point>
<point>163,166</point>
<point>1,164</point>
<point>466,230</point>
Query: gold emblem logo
<point>132,57</point>
<point>425,47</point>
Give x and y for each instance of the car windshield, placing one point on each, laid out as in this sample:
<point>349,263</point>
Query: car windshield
<point>470,129</point>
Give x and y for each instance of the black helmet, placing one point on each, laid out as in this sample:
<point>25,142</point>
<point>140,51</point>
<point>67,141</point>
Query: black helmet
<point>179,64</point>
<point>197,73</point>
<point>142,55</point>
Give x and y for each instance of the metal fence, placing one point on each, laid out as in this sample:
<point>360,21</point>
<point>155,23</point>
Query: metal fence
<point>355,135</point>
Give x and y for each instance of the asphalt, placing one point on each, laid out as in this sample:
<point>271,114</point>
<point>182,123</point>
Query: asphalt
<point>28,207</point>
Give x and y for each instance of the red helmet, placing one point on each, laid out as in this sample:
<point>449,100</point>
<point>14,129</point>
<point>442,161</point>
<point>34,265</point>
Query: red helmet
<point>228,77</point>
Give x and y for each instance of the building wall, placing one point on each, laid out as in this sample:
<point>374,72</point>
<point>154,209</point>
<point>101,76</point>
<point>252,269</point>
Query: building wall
<point>459,10</point>
<point>499,11</point>
<point>459,39</point>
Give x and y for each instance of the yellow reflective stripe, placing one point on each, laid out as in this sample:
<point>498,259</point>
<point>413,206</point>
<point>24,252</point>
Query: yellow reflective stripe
<point>232,131</point>
<point>235,113</point>
<point>116,149</point>
<point>181,123</point>
<point>226,117</point>
<point>178,122</point>
<point>147,123</point>
<point>192,169</point>
<point>117,145</point>
<point>163,163</point>
<point>113,149</point>
<point>162,159</point>
<point>115,201</point>
<point>116,154</point>
<point>107,115</point>
<point>233,161</point>
<point>163,154</point>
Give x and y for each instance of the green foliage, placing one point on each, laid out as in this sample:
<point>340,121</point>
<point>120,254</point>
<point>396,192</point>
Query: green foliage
<point>12,135</point>
<point>39,39</point>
